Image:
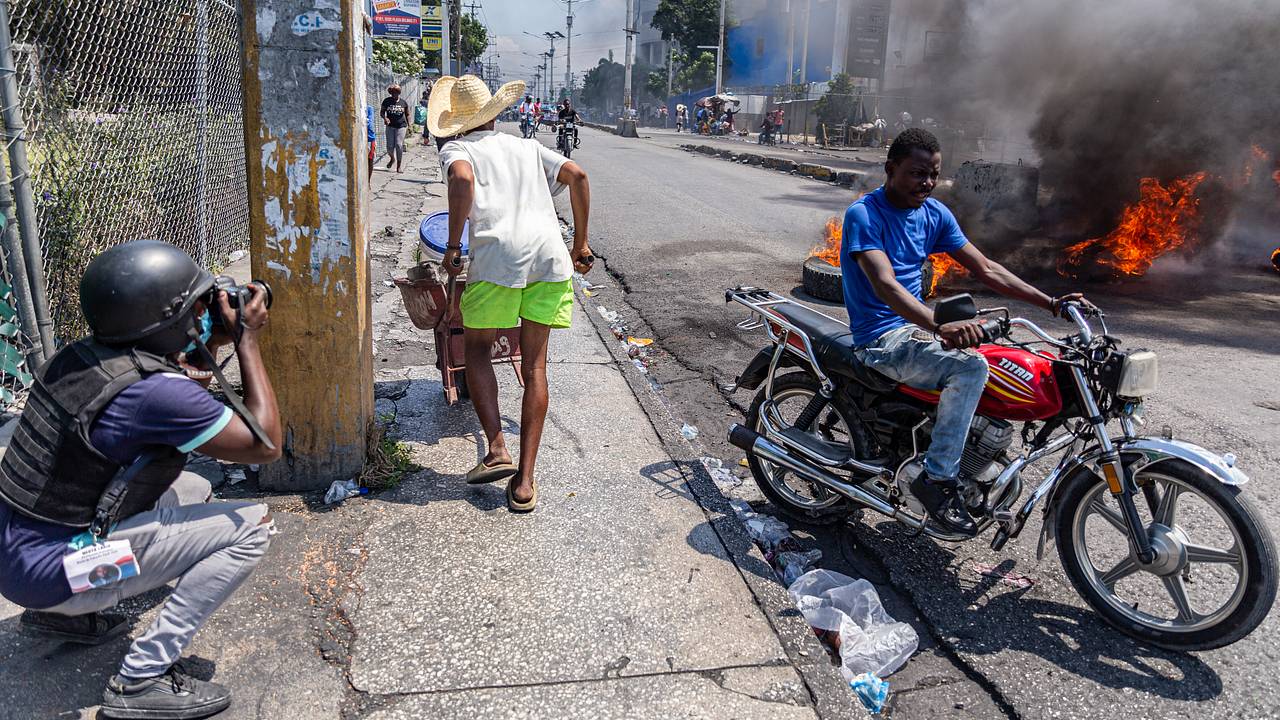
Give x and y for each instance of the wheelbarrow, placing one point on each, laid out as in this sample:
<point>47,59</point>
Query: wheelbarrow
<point>431,299</point>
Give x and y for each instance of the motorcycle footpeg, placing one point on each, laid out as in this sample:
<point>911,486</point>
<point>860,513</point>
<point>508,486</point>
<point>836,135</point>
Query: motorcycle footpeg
<point>1003,516</point>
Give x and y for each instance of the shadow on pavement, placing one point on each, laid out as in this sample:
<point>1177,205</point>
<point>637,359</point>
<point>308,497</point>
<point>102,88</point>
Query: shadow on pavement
<point>979,620</point>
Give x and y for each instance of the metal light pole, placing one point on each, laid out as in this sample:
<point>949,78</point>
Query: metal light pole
<point>551,57</point>
<point>568,50</point>
<point>720,52</point>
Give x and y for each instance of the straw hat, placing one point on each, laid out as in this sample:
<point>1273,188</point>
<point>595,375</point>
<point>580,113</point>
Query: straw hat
<point>461,104</point>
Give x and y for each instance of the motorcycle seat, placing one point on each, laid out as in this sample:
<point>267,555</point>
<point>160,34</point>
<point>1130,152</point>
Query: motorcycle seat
<point>833,344</point>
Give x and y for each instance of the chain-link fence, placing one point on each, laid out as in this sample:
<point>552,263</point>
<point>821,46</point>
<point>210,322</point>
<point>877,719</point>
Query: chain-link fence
<point>377,79</point>
<point>134,130</point>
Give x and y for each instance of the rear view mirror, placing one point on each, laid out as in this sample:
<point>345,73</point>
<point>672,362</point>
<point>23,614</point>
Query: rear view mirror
<point>956,307</point>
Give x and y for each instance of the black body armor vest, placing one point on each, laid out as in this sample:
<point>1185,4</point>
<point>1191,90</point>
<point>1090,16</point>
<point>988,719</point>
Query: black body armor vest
<point>51,471</point>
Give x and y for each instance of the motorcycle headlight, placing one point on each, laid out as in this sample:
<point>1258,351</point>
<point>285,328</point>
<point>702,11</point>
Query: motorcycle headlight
<point>1138,376</point>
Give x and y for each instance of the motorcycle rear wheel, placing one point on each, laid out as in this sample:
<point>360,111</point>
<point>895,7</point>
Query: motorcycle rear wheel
<point>795,497</point>
<point>1248,567</point>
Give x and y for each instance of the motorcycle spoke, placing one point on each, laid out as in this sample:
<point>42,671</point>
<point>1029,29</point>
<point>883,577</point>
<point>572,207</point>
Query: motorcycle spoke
<point>1177,590</point>
<point>1168,507</point>
<point>1099,507</point>
<point>1122,570</point>
<point>1203,554</point>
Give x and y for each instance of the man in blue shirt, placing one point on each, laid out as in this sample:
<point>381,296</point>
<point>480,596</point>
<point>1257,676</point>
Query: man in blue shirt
<point>888,235</point>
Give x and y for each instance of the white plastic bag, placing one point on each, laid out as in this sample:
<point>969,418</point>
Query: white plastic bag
<point>870,640</point>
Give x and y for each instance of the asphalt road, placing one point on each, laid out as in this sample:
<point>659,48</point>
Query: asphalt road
<point>675,229</point>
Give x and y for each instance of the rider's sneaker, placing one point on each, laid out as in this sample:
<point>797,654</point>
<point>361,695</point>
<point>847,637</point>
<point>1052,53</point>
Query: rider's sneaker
<point>942,501</point>
<point>173,695</point>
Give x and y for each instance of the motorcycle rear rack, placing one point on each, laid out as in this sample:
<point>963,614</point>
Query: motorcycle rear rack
<point>780,330</point>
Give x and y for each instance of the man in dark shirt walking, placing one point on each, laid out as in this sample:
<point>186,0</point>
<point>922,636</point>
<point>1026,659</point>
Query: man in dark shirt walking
<point>395,113</point>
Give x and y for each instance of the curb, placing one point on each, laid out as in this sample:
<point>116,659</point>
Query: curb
<point>832,698</point>
<point>845,178</point>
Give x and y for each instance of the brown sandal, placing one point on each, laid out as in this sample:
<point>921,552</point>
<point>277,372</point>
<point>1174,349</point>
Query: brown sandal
<point>521,507</point>
<point>481,473</point>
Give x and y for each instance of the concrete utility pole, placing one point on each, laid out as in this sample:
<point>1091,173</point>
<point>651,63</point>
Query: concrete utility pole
<point>304,98</point>
<point>804,47</point>
<point>444,38</point>
<point>568,49</point>
<point>720,53</point>
<point>626,71</point>
<point>791,43</point>
<point>551,58</point>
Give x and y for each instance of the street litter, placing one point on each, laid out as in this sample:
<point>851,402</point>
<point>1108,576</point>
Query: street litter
<point>869,639</point>
<point>389,283</point>
<point>743,462</point>
<point>234,475</point>
<point>639,342</point>
<point>794,564</point>
<point>640,366</point>
<point>768,531</point>
<point>723,479</point>
<point>608,315</point>
<point>688,431</point>
<point>872,691</point>
<point>1012,579</point>
<point>342,489</point>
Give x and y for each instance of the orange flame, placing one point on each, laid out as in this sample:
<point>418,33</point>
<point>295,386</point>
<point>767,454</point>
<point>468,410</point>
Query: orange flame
<point>829,251</point>
<point>944,267</point>
<point>1165,218</point>
<point>1275,259</point>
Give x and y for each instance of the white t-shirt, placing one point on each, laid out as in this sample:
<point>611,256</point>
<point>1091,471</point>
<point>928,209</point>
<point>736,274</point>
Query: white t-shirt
<point>515,233</point>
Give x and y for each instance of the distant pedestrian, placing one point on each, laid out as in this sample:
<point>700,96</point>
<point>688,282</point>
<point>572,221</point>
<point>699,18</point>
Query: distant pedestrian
<point>680,117</point>
<point>519,268</point>
<point>373,137</point>
<point>662,115</point>
<point>420,115</point>
<point>779,118</point>
<point>395,113</point>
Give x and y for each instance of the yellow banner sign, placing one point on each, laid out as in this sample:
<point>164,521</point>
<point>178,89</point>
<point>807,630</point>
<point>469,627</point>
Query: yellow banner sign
<point>432,42</point>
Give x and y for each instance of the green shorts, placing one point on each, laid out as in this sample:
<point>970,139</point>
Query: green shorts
<point>485,305</point>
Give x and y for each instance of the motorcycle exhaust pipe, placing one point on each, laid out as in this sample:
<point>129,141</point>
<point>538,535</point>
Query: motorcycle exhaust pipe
<point>752,442</point>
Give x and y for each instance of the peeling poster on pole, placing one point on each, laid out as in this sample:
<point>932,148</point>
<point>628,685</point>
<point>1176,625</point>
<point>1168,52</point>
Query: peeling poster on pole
<point>397,19</point>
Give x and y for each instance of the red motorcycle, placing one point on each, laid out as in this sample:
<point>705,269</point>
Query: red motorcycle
<point>1153,532</point>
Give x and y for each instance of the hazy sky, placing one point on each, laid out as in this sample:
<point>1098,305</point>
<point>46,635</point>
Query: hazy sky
<point>597,28</point>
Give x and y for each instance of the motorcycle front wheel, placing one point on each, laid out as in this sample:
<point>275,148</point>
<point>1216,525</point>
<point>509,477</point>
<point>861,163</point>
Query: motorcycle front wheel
<point>794,496</point>
<point>1214,576</point>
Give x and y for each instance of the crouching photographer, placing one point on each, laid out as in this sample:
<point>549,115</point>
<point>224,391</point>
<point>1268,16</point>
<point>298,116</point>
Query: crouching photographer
<point>94,503</point>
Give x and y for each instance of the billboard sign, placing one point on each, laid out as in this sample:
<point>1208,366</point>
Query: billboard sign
<point>397,19</point>
<point>869,39</point>
<point>432,27</point>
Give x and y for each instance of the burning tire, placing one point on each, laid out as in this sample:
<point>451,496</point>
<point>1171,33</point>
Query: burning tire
<point>824,281</point>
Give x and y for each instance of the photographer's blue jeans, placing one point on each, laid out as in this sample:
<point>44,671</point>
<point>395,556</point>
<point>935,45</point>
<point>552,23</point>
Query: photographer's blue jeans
<point>913,357</point>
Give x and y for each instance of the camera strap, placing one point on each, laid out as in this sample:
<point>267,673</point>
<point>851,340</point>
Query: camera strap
<point>237,403</point>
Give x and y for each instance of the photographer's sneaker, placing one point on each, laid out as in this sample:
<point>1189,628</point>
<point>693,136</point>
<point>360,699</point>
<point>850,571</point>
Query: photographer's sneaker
<point>88,629</point>
<point>171,696</point>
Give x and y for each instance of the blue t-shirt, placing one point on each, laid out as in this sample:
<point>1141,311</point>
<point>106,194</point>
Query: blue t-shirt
<point>908,237</point>
<point>165,409</point>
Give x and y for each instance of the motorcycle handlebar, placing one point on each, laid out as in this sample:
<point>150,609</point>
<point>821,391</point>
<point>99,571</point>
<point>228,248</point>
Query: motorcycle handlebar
<point>993,329</point>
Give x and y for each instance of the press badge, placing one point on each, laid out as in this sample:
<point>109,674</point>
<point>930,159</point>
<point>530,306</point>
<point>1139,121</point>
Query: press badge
<point>100,565</point>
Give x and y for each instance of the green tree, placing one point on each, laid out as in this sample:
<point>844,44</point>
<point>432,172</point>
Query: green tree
<point>475,39</point>
<point>404,56</point>
<point>602,85</point>
<point>698,74</point>
<point>839,103</point>
<point>689,23</point>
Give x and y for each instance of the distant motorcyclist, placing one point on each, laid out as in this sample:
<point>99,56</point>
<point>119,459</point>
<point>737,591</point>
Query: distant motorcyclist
<point>525,110</point>
<point>567,115</point>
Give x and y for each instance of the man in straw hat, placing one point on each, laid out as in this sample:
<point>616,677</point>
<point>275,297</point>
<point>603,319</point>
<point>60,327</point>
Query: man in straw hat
<point>519,268</point>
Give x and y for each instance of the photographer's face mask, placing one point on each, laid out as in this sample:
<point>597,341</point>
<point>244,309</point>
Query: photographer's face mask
<point>205,322</point>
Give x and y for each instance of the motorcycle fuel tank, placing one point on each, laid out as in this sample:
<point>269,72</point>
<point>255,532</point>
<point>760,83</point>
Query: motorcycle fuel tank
<point>1020,386</point>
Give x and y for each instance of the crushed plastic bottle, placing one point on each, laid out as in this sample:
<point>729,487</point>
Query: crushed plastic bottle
<point>768,531</point>
<point>688,432</point>
<point>608,315</point>
<point>794,563</point>
<point>342,489</point>
<point>871,690</point>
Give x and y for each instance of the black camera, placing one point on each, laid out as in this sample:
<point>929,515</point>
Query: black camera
<point>237,296</point>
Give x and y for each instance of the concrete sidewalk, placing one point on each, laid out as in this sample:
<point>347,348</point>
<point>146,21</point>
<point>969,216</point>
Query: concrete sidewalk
<point>620,597</point>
